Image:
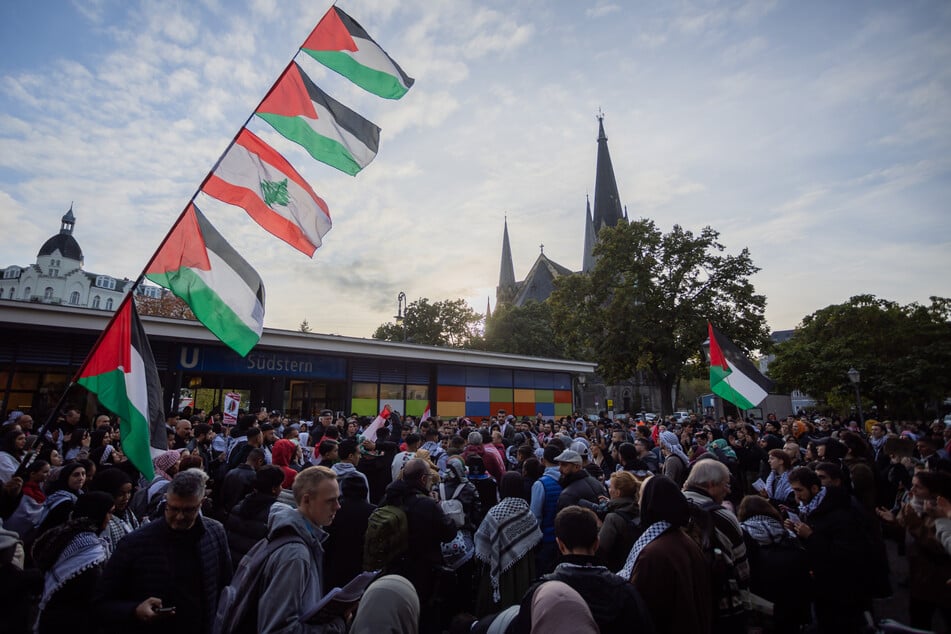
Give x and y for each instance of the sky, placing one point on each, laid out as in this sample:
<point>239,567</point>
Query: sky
<point>815,134</point>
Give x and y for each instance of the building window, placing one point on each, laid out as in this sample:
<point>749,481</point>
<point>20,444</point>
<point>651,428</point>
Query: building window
<point>12,291</point>
<point>95,302</point>
<point>74,298</point>
<point>104,281</point>
<point>11,273</point>
<point>109,304</point>
<point>54,272</point>
<point>26,292</point>
<point>48,293</point>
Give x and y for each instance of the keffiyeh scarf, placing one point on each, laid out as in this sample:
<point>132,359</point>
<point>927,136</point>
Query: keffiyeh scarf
<point>85,551</point>
<point>778,487</point>
<point>654,531</point>
<point>806,509</point>
<point>670,442</point>
<point>508,532</point>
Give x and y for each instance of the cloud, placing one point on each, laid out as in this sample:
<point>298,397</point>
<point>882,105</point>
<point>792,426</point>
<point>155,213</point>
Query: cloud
<point>602,9</point>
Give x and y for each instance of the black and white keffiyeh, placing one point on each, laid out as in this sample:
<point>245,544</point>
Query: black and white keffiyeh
<point>806,509</point>
<point>654,531</point>
<point>508,532</point>
<point>86,550</point>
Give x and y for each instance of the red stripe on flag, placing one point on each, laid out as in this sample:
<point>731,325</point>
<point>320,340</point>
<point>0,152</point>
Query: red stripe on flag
<point>289,97</point>
<point>330,35</point>
<point>185,247</point>
<point>716,355</point>
<point>114,349</point>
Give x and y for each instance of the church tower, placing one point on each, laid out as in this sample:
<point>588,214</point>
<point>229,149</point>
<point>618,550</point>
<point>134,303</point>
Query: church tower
<point>607,201</point>
<point>506,290</point>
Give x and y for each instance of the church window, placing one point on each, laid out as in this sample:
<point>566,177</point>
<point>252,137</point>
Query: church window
<point>48,293</point>
<point>95,302</point>
<point>74,298</point>
<point>54,272</point>
<point>109,304</point>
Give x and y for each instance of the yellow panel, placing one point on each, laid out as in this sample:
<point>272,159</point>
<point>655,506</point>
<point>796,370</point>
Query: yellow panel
<point>450,408</point>
<point>524,396</point>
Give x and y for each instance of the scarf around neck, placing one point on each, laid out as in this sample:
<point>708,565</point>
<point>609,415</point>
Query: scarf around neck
<point>508,532</point>
<point>805,510</point>
<point>86,550</point>
<point>654,531</point>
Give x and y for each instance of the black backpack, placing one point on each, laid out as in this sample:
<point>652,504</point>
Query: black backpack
<point>723,578</point>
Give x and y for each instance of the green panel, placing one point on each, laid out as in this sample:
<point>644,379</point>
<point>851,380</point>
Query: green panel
<point>562,409</point>
<point>416,408</point>
<point>364,407</point>
<point>544,396</point>
<point>501,394</point>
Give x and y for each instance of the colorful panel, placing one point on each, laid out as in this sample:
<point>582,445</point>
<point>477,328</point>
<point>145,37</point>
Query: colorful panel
<point>524,409</point>
<point>501,394</point>
<point>451,393</point>
<point>524,396</point>
<point>497,405</point>
<point>500,377</point>
<point>477,376</point>
<point>477,408</point>
<point>477,394</point>
<point>544,380</point>
<point>547,409</point>
<point>364,407</point>
<point>563,396</point>
<point>562,409</point>
<point>545,396</point>
<point>523,378</point>
<point>416,408</point>
<point>449,409</point>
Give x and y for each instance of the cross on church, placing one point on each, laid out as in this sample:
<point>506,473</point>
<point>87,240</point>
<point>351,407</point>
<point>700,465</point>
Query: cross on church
<point>542,247</point>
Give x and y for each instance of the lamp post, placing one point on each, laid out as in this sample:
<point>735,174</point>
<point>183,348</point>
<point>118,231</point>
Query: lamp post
<point>854,378</point>
<point>582,379</point>
<point>401,312</point>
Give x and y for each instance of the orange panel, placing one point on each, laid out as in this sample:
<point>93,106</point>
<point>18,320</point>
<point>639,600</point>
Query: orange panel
<point>525,396</point>
<point>451,393</point>
<point>562,396</point>
<point>449,409</point>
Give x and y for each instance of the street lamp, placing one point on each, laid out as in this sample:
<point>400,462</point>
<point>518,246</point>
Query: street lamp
<point>582,379</point>
<point>401,312</point>
<point>854,378</point>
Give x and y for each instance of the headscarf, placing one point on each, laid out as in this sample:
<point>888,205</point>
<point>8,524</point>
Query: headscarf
<point>61,483</point>
<point>508,533</point>
<point>93,506</point>
<point>557,607</point>
<point>110,480</point>
<point>724,446</point>
<point>669,441</point>
<point>166,460</point>
<point>389,606</point>
<point>663,506</point>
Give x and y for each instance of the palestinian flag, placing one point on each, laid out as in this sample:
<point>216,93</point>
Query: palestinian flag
<point>327,129</point>
<point>340,44</point>
<point>121,372</point>
<point>221,288</point>
<point>370,432</point>
<point>733,377</point>
<point>253,176</point>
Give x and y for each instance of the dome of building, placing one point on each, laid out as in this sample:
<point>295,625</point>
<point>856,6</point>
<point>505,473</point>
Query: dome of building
<point>64,240</point>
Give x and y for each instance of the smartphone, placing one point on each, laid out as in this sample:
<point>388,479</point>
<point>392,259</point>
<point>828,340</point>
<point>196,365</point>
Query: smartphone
<point>163,610</point>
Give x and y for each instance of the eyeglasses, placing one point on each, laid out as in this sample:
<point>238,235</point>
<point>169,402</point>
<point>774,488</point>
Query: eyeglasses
<point>182,510</point>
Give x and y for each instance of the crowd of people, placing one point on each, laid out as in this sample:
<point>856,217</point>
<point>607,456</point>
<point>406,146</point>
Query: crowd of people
<point>506,524</point>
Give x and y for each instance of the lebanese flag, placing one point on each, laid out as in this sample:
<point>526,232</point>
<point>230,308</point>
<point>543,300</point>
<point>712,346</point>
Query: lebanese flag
<point>343,46</point>
<point>253,176</point>
<point>733,377</point>
<point>121,372</point>
<point>426,414</point>
<point>199,266</point>
<point>370,432</point>
<point>327,129</point>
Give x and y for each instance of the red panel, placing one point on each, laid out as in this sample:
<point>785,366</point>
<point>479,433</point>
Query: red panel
<point>451,393</point>
<point>562,396</point>
<point>496,406</point>
<point>525,409</point>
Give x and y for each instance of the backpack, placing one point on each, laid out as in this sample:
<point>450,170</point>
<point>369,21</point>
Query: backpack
<point>238,605</point>
<point>387,537</point>
<point>452,507</point>
<point>723,578</point>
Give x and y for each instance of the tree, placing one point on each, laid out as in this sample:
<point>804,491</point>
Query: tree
<point>646,304</point>
<point>450,323</point>
<point>304,326</point>
<point>166,306</point>
<point>902,353</point>
<point>523,330</point>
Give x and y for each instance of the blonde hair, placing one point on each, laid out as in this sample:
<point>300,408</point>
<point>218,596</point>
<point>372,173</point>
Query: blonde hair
<point>626,484</point>
<point>309,479</point>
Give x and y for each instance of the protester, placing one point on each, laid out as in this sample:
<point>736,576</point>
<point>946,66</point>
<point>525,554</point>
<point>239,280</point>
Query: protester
<point>61,495</point>
<point>621,523</point>
<point>247,523</point>
<point>122,520</point>
<point>389,606</point>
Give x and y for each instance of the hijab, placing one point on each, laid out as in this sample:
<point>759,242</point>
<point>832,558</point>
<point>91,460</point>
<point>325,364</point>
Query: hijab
<point>662,501</point>
<point>557,607</point>
<point>389,606</point>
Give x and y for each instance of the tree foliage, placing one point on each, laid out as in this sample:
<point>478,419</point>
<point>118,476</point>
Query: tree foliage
<point>166,306</point>
<point>902,353</point>
<point>646,304</point>
<point>523,330</point>
<point>450,323</point>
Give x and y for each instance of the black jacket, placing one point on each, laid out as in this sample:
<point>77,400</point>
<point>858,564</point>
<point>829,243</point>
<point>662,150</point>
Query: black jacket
<point>344,546</point>
<point>838,547</point>
<point>236,485</point>
<point>579,486</point>
<point>247,523</point>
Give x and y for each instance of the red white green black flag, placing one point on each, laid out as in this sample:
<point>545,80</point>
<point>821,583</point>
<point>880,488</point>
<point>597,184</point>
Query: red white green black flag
<point>733,377</point>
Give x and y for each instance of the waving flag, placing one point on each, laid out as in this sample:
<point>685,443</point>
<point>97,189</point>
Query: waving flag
<point>370,432</point>
<point>343,46</point>
<point>121,373</point>
<point>427,414</point>
<point>733,377</point>
<point>199,266</point>
<point>253,176</point>
<point>327,129</point>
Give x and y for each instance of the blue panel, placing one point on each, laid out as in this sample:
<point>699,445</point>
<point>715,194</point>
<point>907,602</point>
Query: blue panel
<point>547,409</point>
<point>477,394</point>
<point>500,377</point>
<point>477,376</point>
<point>478,408</point>
<point>417,374</point>
<point>392,372</point>
<point>544,381</point>
<point>264,362</point>
<point>452,375</point>
<point>524,378</point>
<point>365,371</point>
<point>561,381</point>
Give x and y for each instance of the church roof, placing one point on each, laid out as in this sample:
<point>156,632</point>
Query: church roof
<point>65,243</point>
<point>540,281</point>
<point>507,267</point>
<point>607,201</point>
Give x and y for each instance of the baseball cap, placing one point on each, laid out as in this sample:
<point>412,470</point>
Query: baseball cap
<point>569,456</point>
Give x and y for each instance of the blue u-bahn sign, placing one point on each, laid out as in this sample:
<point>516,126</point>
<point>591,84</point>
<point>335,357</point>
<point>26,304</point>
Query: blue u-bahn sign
<point>261,362</point>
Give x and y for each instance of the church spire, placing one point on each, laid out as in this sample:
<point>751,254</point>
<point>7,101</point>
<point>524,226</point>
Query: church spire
<point>68,221</point>
<point>607,201</point>
<point>505,292</point>
<point>587,260</point>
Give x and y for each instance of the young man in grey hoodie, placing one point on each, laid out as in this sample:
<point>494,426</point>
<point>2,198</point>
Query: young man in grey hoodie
<point>292,575</point>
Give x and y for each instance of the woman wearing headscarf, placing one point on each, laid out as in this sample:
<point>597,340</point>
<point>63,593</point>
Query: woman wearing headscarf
<point>675,460</point>
<point>505,544</point>
<point>123,521</point>
<point>666,566</point>
<point>61,495</point>
<point>12,450</point>
<point>101,450</point>
<point>459,591</point>
<point>557,607</point>
<point>281,455</point>
<point>389,606</point>
<point>71,557</point>
<point>26,516</point>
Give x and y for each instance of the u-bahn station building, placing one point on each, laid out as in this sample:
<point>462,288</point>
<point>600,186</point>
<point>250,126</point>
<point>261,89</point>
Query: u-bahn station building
<point>42,346</point>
